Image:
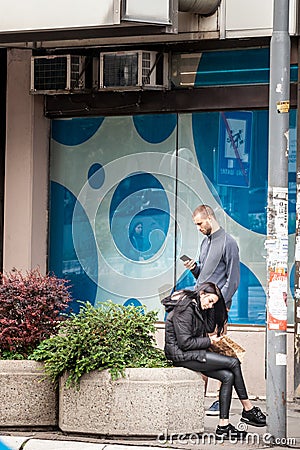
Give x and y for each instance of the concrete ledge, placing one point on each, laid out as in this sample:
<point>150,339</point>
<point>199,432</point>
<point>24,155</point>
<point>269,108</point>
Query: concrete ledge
<point>147,402</point>
<point>27,399</point>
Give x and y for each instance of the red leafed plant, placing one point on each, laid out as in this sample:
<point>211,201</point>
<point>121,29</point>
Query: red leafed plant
<point>30,308</point>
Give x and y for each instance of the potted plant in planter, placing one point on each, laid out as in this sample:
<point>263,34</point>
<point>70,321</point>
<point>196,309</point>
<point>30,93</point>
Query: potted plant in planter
<point>30,309</point>
<point>113,380</point>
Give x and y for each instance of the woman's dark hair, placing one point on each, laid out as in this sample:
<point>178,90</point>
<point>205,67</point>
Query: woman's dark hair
<point>221,314</point>
<point>133,227</point>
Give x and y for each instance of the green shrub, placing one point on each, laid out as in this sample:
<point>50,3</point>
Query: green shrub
<point>109,337</point>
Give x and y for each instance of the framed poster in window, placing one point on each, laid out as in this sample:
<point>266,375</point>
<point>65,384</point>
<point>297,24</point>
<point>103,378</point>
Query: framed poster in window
<point>235,136</point>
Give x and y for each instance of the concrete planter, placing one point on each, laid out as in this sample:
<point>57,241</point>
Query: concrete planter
<point>147,402</point>
<point>27,399</point>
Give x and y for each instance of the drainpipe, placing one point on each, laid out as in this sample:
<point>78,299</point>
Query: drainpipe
<point>203,7</point>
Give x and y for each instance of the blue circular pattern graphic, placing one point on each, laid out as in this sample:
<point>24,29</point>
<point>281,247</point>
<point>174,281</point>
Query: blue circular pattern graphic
<point>249,302</point>
<point>75,131</point>
<point>136,303</point>
<point>82,286</point>
<point>139,216</point>
<point>155,128</point>
<point>245,205</point>
<point>96,176</point>
<point>132,302</point>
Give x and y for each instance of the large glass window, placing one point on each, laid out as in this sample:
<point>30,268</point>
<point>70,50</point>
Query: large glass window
<point>112,230</point>
<point>123,190</point>
<point>230,151</point>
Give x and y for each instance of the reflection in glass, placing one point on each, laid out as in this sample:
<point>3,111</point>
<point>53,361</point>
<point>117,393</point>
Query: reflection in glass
<point>139,216</point>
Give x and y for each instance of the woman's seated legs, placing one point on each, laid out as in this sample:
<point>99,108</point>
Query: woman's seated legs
<point>224,375</point>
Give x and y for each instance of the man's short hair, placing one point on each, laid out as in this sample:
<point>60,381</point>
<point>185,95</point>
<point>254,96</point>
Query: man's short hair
<point>205,210</point>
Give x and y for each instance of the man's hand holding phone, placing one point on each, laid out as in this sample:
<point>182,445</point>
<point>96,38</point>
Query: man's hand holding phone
<point>188,262</point>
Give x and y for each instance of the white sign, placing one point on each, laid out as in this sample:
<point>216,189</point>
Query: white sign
<point>35,15</point>
<point>154,11</point>
<point>281,359</point>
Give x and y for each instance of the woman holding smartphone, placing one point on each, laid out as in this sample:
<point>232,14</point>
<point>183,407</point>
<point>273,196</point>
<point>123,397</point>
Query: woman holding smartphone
<point>191,316</point>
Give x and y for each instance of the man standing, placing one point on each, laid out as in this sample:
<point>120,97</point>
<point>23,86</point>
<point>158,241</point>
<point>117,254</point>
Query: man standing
<point>219,261</point>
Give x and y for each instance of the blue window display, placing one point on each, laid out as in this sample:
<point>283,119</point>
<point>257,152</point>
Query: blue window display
<point>140,206</point>
<point>110,217</point>
<point>137,239</point>
<point>75,131</point>
<point>63,260</point>
<point>117,228</point>
<point>155,128</point>
<point>245,206</point>
<point>4,447</point>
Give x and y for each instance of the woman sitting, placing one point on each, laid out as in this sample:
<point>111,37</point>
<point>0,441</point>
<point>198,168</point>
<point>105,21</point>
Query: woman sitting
<point>191,316</point>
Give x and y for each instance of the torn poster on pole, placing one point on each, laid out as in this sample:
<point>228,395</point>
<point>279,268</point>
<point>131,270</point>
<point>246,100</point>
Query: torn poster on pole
<point>277,247</point>
<point>277,312</point>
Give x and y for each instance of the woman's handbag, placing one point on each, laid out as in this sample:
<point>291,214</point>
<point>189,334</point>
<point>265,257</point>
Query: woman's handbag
<point>228,347</point>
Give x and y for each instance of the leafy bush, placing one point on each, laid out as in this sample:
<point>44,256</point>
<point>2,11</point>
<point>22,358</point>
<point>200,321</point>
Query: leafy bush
<point>30,309</point>
<point>109,337</point>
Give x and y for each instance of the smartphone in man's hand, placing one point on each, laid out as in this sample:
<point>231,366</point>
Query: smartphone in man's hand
<point>185,258</point>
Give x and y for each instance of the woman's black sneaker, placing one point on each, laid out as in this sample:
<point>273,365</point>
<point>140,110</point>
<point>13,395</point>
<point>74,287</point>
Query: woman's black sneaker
<point>254,417</point>
<point>230,432</point>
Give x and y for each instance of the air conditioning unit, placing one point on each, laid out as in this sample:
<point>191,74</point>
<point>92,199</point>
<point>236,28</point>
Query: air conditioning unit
<point>133,70</point>
<point>57,74</point>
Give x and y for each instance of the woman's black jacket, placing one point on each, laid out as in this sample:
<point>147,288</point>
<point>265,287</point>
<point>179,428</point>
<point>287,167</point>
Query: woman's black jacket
<point>186,329</point>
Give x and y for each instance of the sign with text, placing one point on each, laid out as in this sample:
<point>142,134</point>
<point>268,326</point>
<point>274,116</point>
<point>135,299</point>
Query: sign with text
<point>235,134</point>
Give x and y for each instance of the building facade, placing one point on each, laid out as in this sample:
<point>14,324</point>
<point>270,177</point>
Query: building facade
<point>167,109</point>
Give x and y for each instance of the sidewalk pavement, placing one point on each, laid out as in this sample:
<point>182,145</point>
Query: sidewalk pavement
<point>258,438</point>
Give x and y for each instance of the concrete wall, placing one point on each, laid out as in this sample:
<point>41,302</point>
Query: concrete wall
<point>143,403</point>
<point>29,399</point>
<point>26,170</point>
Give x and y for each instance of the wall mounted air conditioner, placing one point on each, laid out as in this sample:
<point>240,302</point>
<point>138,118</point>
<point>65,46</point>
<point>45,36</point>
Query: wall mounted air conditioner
<point>57,74</point>
<point>133,70</point>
